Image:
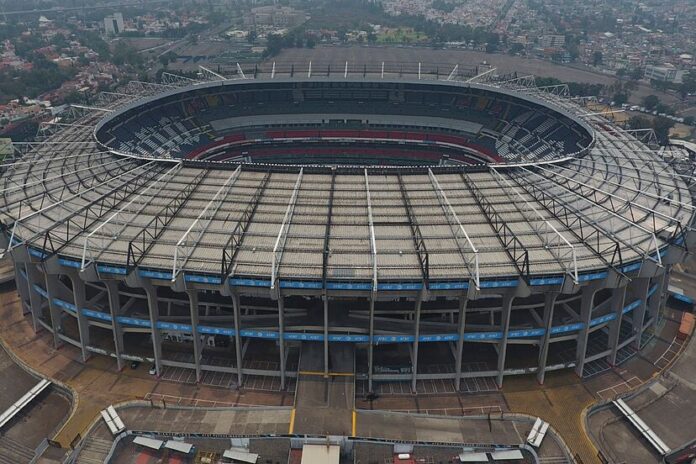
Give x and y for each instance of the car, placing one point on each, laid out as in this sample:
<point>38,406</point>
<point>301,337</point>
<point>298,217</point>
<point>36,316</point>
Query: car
<point>134,364</point>
<point>153,370</point>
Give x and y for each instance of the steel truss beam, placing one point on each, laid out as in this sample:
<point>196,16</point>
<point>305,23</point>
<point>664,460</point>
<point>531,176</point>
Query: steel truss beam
<point>101,238</point>
<point>210,75</point>
<point>468,251</point>
<point>279,246</point>
<point>44,181</point>
<point>84,217</point>
<point>553,240</point>
<point>515,249</point>
<point>146,238</point>
<point>186,244</point>
<point>418,242</point>
<point>327,230</point>
<point>617,204</point>
<point>48,196</point>
<point>485,74</point>
<point>649,170</point>
<point>630,226</point>
<point>589,232</point>
<point>233,244</point>
<point>371,225</point>
<point>177,80</point>
<point>42,209</point>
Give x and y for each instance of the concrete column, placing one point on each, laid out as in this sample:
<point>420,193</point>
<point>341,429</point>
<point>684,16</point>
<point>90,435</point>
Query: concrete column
<point>463,300</point>
<point>34,278</point>
<point>416,335</point>
<point>641,287</point>
<point>326,336</point>
<point>549,304</point>
<point>506,310</point>
<point>82,322</point>
<point>153,309</point>
<point>55,312</point>
<point>654,300</point>
<point>193,307</point>
<point>618,301</point>
<point>23,289</point>
<point>117,329</point>
<point>371,345</point>
<point>238,337</point>
<point>586,302</point>
<point>281,339</point>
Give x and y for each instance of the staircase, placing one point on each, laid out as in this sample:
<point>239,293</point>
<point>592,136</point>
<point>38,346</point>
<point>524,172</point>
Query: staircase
<point>12,452</point>
<point>94,451</point>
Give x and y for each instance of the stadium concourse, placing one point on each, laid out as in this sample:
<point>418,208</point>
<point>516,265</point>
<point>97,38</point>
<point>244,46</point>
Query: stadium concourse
<point>430,228</point>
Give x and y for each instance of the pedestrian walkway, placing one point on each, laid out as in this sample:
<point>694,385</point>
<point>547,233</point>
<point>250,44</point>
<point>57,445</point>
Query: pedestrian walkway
<point>325,405</point>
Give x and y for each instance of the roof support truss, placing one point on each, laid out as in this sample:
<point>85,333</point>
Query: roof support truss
<point>99,239</point>
<point>143,241</point>
<point>586,230</point>
<point>468,251</point>
<point>231,248</point>
<point>327,230</point>
<point>189,240</point>
<point>515,249</point>
<point>638,213</point>
<point>371,225</point>
<point>552,239</point>
<point>636,232</point>
<point>418,241</point>
<point>282,237</point>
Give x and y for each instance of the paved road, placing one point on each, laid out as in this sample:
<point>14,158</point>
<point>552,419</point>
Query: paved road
<point>325,405</point>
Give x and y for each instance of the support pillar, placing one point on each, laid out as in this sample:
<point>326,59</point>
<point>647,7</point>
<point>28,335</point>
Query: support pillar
<point>417,314</point>
<point>281,339</point>
<point>586,301</point>
<point>117,329</point>
<point>79,297</point>
<point>506,310</point>
<point>153,309</point>
<point>618,300</point>
<point>654,300</point>
<point>549,304</point>
<point>463,300</point>
<point>23,288</point>
<point>641,291</point>
<point>371,345</point>
<point>193,309</point>
<point>237,337</point>
<point>326,336</point>
<point>55,312</point>
<point>34,278</point>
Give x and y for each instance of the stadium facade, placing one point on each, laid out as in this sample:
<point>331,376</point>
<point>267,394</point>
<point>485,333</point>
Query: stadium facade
<point>437,229</point>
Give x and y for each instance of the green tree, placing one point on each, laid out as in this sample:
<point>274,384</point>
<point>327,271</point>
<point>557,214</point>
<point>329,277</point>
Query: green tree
<point>651,101</point>
<point>597,58</point>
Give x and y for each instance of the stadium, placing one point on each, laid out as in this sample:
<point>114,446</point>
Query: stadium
<point>429,228</point>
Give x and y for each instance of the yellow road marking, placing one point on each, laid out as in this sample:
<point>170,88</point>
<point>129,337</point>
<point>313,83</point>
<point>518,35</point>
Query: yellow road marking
<point>355,420</point>
<point>292,421</point>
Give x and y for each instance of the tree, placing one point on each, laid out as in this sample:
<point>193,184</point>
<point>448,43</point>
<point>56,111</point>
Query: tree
<point>620,98</point>
<point>311,42</point>
<point>689,120</point>
<point>661,126</point>
<point>251,36</point>
<point>688,84</point>
<point>597,58</point>
<point>651,101</point>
